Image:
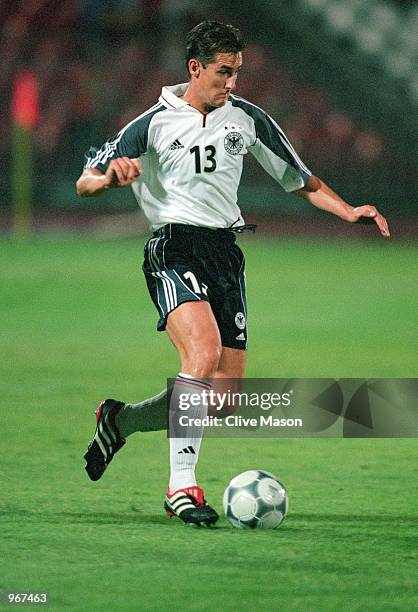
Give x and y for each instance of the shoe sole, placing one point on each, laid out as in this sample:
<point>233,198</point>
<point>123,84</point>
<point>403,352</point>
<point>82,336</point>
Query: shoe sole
<point>99,412</point>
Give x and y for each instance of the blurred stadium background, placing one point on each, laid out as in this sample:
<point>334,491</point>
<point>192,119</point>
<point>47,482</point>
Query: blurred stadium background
<point>338,75</point>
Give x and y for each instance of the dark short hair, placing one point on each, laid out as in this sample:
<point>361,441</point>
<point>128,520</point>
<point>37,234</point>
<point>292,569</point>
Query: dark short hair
<point>209,38</point>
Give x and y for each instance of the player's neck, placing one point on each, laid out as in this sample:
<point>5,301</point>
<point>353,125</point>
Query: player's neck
<point>195,101</point>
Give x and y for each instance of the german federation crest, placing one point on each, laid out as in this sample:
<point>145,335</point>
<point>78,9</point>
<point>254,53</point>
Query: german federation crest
<point>234,143</point>
<point>240,320</point>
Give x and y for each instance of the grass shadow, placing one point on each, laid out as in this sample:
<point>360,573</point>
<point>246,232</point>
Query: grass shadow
<point>380,519</point>
<point>128,518</point>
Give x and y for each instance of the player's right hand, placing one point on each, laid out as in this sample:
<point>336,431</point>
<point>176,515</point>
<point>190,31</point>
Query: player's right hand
<point>122,172</point>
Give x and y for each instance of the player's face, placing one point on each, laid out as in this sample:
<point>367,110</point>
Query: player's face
<point>219,78</point>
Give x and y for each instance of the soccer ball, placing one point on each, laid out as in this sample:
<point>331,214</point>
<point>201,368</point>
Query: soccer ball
<point>255,499</point>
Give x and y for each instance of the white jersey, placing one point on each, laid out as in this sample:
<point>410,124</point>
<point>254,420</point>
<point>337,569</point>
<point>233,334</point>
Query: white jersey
<point>192,162</point>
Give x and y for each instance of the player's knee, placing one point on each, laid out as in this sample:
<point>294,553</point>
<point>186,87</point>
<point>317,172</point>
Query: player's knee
<point>204,362</point>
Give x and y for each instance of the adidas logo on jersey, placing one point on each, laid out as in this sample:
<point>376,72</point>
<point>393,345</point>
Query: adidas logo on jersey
<point>240,337</point>
<point>176,145</point>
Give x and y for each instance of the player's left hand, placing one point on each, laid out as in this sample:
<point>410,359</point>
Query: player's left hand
<point>370,214</point>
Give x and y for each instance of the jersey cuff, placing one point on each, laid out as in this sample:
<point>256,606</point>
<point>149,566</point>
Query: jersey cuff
<point>101,167</point>
<point>294,179</point>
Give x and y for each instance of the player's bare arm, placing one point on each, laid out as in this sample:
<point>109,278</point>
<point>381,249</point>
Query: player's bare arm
<point>121,172</point>
<point>320,195</point>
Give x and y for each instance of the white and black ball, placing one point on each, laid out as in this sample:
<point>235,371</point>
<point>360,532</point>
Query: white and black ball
<point>255,499</point>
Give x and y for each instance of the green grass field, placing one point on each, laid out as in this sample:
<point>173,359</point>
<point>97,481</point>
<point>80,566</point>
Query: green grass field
<point>77,326</point>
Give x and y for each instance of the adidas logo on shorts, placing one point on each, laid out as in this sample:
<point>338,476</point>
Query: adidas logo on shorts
<point>176,145</point>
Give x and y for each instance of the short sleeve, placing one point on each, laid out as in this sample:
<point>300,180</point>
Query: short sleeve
<point>131,141</point>
<point>273,150</point>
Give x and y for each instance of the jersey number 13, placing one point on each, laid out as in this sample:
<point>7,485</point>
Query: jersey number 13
<point>209,160</point>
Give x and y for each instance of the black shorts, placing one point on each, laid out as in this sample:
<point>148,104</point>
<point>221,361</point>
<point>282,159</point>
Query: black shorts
<point>185,263</point>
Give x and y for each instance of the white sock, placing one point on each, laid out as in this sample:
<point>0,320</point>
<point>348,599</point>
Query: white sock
<point>184,450</point>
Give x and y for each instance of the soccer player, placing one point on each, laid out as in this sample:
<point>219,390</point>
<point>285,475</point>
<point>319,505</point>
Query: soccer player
<point>183,159</point>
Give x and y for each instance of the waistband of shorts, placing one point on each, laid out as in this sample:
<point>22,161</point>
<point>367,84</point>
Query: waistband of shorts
<point>171,230</point>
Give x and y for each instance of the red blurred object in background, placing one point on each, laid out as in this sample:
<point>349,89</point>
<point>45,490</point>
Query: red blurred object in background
<point>25,101</point>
